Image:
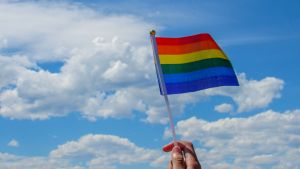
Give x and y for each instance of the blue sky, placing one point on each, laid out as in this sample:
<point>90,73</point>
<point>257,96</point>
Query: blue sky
<point>78,86</point>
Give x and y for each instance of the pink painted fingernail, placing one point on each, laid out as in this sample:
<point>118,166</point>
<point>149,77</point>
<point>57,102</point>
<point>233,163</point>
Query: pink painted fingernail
<point>168,147</point>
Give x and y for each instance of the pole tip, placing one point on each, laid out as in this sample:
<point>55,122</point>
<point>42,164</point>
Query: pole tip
<point>152,32</point>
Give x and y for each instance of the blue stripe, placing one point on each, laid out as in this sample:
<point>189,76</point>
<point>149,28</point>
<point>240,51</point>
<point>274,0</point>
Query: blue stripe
<point>176,88</point>
<point>197,75</point>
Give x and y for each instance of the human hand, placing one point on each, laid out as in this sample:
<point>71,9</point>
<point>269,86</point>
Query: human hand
<point>183,155</point>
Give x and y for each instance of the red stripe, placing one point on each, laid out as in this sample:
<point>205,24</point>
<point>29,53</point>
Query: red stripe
<point>187,48</point>
<point>183,40</point>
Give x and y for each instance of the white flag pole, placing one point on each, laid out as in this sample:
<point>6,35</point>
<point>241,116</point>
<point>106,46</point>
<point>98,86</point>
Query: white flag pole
<point>162,82</point>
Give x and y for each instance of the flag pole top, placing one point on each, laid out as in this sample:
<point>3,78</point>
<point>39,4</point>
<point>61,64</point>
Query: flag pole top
<point>152,32</point>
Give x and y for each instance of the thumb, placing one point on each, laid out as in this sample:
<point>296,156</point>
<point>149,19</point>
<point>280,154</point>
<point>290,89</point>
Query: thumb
<point>177,158</point>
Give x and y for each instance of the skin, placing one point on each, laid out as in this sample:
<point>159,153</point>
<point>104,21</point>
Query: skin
<point>183,155</point>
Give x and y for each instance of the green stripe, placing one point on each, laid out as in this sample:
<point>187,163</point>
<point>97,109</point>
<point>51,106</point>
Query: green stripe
<point>193,66</point>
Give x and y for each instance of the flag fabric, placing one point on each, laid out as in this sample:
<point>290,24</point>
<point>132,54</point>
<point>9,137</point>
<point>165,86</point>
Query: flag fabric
<point>193,63</point>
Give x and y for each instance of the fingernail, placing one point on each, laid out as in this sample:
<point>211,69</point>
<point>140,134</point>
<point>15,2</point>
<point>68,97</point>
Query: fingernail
<point>168,147</point>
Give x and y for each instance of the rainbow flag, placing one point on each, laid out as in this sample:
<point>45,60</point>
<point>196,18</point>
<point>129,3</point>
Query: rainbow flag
<point>193,63</point>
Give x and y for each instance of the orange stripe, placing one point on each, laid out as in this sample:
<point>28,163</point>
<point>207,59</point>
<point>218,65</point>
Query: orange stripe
<point>187,48</point>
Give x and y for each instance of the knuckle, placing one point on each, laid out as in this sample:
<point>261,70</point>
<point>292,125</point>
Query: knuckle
<point>178,157</point>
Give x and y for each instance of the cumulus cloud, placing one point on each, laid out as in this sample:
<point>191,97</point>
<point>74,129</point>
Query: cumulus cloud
<point>267,140</point>
<point>100,59</point>
<point>224,108</point>
<point>103,149</point>
<point>13,143</point>
<point>3,43</point>
<point>251,94</point>
<point>52,31</point>
<point>12,67</point>
<point>108,69</point>
<point>89,152</point>
<point>10,161</point>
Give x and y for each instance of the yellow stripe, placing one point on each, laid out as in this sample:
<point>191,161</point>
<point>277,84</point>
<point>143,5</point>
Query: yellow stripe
<point>192,57</point>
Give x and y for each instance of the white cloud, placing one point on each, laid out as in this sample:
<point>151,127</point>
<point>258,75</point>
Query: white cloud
<point>3,43</point>
<point>251,94</point>
<point>105,149</point>
<point>266,140</point>
<point>13,143</point>
<point>114,73</point>
<point>11,68</point>
<point>89,152</point>
<point>95,70</point>
<point>10,161</point>
<point>155,115</point>
<point>108,69</point>
<point>224,108</point>
<point>53,30</point>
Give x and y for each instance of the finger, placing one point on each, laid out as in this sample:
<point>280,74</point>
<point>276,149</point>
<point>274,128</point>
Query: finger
<point>169,147</point>
<point>170,165</point>
<point>190,157</point>
<point>177,158</point>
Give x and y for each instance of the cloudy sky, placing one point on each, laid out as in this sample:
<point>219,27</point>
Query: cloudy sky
<point>78,88</point>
